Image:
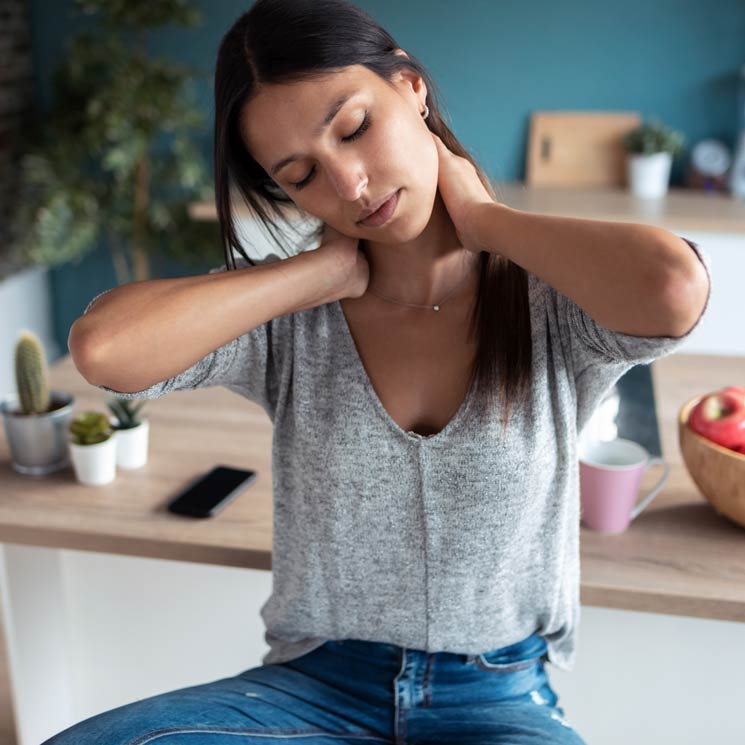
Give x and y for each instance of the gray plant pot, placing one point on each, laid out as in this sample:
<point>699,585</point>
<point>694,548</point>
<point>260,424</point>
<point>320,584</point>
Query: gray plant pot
<point>38,442</point>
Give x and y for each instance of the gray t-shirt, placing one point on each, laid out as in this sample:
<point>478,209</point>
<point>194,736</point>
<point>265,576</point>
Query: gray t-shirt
<point>462,541</point>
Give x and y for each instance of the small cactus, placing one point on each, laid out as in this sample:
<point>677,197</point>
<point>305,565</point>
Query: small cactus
<point>124,411</point>
<point>31,374</point>
<point>90,427</point>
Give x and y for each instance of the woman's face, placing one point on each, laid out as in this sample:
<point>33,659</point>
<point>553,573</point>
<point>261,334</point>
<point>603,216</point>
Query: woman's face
<point>377,143</point>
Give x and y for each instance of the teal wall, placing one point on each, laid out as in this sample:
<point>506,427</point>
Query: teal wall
<point>495,62</point>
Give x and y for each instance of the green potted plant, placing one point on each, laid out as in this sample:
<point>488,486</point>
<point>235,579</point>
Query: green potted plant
<point>651,148</point>
<point>35,418</point>
<point>114,160</point>
<point>132,432</point>
<point>92,444</point>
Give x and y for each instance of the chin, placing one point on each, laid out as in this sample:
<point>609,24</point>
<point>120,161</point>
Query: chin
<point>414,221</point>
<point>422,217</point>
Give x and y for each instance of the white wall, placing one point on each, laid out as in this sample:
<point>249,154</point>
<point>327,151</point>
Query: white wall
<point>720,331</point>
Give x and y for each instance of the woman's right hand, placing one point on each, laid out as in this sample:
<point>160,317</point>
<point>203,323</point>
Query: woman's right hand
<point>348,258</point>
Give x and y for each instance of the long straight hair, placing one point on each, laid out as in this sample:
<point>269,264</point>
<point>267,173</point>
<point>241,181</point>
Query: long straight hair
<point>287,41</point>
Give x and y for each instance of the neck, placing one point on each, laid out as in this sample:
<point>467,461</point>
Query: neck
<point>425,269</point>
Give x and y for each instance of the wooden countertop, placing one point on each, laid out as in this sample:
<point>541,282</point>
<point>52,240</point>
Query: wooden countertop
<point>681,209</point>
<point>678,557</point>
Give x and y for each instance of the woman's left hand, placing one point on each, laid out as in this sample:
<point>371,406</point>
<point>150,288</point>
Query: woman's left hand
<point>461,190</point>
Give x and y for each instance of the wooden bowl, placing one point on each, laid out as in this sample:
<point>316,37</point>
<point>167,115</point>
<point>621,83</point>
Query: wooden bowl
<point>718,472</point>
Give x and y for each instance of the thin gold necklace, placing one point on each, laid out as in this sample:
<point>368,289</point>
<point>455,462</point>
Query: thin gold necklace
<point>435,307</point>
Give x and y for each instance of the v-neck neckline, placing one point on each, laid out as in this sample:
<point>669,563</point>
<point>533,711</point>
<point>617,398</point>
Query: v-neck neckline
<point>373,395</point>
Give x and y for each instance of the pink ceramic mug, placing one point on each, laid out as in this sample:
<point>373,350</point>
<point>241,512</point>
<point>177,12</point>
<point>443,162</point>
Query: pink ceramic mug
<point>610,472</point>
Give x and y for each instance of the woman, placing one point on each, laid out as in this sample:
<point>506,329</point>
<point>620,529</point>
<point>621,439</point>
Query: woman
<point>425,557</point>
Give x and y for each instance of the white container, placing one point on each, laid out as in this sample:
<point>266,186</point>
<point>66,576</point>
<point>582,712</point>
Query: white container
<point>648,175</point>
<point>131,448</point>
<point>94,464</point>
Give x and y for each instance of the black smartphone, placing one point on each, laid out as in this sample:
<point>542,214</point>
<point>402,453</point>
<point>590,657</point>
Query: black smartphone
<point>207,495</point>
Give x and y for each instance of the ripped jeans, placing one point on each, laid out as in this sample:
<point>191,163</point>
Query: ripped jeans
<point>352,691</point>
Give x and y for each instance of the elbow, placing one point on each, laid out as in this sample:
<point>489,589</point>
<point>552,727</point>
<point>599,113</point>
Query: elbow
<point>82,350</point>
<point>686,300</point>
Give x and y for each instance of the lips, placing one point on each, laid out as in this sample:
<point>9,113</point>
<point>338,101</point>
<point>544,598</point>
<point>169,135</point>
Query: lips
<point>376,206</point>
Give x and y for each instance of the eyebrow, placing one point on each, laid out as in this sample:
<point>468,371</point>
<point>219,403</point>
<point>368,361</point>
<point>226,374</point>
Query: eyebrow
<point>333,111</point>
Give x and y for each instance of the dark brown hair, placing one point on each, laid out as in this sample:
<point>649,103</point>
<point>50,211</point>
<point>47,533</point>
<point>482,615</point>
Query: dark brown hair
<point>283,41</point>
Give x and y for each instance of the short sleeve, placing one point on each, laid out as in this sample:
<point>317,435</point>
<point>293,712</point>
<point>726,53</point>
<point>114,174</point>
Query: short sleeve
<point>591,344</point>
<point>594,357</point>
<point>244,365</point>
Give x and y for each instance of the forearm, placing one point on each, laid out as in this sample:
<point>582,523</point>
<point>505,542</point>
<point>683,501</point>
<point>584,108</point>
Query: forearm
<point>144,332</point>
<point>638,279</point>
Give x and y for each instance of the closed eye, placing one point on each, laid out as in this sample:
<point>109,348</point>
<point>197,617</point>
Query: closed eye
<point>360,131</point>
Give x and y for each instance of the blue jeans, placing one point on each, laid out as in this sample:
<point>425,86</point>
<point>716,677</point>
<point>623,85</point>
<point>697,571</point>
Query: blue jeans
<point>352,691</point>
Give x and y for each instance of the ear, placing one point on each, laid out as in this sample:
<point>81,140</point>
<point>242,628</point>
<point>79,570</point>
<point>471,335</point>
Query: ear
<point>409,77</point>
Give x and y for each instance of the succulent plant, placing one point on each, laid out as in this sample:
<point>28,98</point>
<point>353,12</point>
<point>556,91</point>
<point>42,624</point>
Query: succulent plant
<point>90,427</point>
<point>125,412</point>
<point>31,372</point>
<point>654,137</point>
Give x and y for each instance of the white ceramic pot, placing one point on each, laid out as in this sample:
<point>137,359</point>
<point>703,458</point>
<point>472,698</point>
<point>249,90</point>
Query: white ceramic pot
<point>648,176</point>
<point>131,448</point>
<point>94,464</point>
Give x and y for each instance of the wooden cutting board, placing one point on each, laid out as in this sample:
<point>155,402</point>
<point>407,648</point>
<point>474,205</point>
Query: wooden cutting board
<point>578,148</point>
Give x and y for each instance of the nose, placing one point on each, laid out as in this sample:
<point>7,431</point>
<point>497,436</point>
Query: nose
<point>348,179</point>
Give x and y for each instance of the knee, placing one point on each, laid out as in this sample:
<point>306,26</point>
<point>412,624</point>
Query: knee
<point>68,737</point>
<point>119,726</point>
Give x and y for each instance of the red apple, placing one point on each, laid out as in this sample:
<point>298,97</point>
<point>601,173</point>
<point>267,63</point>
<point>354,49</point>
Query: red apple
<point>720,417</point>
<point>734,389</point>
